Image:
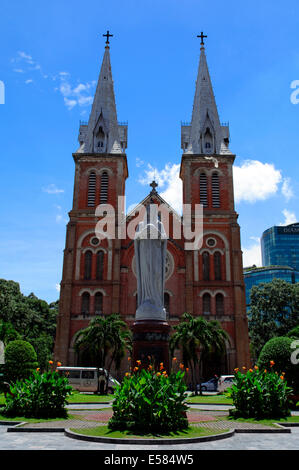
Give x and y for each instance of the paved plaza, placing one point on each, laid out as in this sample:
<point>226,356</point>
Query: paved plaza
<point>58,441</point>
<point>208,416</point>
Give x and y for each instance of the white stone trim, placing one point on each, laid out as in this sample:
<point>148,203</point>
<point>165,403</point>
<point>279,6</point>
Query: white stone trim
<point>167,291</point>
<point>92,292</point>
<point>211,250</point>
<point>79,251</point>
<point>208,171</point>
<point>226,253</point>
<point>212,293</point>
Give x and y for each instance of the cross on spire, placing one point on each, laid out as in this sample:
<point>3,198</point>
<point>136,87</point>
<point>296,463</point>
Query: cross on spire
<point>108,35</point>
<point>202,36</point>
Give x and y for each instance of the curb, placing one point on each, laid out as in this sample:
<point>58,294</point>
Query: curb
<point>19,427</point>
<point>90,403</point>
<point>114,440</point>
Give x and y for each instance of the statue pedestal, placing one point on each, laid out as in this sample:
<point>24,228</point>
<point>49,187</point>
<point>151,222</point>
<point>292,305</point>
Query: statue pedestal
<point>151,338</point>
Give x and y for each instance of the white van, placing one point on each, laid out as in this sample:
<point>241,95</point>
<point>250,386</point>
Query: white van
<point>224,382</point>
<point>85,379</point>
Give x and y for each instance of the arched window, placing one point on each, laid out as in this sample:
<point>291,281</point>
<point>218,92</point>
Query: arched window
<point>206,304</point>
<point>100,265</point>
<point>219,304</point>
<point>208,139</point>
<point>101,139</point>
<point>91,194</point>
<point>167,303</point>
<point>206,266</point>
<point>104,187</point>
<point>85,301</point>
<point>215,190</point>
<point>217,266</point>
<point>98,303</point>
<point>203,189</point>
<point>87,264</point>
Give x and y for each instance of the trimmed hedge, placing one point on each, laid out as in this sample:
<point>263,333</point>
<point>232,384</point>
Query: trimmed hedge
<point>279,350</point>
<point>20,360</point>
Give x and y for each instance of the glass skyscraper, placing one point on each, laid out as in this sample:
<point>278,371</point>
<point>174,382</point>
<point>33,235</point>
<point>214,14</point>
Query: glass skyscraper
<point>280,246</point>
<point>254,276</point>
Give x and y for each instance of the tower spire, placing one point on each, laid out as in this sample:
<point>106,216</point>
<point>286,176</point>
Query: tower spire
<point>102,133</point>
<point>205,134</point>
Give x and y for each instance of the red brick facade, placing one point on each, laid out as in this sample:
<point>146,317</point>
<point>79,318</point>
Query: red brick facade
<point>99,279</point>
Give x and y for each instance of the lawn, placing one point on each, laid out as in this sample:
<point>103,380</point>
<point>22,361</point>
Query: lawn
<point>268,422</point>
<point>34,420</point>
<point>78,397</point>
<point>192,431</point>
<point>217,399</point>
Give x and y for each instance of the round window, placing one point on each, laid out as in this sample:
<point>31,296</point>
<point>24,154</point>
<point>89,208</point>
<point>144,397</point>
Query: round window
<point>94,241</point>
<point>211,242</point>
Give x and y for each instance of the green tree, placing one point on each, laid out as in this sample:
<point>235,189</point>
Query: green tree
<point>274,311</point>
<point>33,318</point>
<point>197,338</point>
<point>20,360</point>
<point>7,332</point>
<point>294,332</point>
<point>105,341</point>
<point>279,350</point>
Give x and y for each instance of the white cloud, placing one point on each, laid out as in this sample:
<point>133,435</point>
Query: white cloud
<point>169,183</point>
<point>139,162</point>
<point>69,103</point>
<point>57,287</point>
<point>286,189</point>
<point>255,181</point>
<point>52,189</point>
<point>289,217</point>
<point>252,255</point>
<point>79,94</point>
<point>60,216</point>
<point>26,57</point>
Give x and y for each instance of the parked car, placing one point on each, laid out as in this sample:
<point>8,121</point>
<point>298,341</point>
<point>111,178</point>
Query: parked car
<point>224,382</point>
<point>209,386</point>
<point>85,379</point>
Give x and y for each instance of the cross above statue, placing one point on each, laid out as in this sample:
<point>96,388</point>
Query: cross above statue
<point>202,36</point>
<point>154,185</point>
<point>108,35</point>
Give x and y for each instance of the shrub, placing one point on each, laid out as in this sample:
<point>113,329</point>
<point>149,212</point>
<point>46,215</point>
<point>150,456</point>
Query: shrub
<point>150,401</point>
<point>260,394</point>
<point>39,396</point>
<point>279,350</point>
<point>20,360</point>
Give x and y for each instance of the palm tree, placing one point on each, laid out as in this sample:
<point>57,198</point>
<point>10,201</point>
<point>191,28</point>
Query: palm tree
<point>197,337</point>
<point>211,339</point>
<point>184,338</point>
<point>105,340</point>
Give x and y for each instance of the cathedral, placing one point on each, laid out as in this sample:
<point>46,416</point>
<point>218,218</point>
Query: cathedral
<point>99,276</point>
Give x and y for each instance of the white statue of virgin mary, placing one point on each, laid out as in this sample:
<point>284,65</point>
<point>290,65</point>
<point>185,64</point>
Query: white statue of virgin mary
<point>150,246</point>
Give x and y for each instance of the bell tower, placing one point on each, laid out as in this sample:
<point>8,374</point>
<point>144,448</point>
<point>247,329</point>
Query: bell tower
<point>214,273</point>
<point>91,269</point>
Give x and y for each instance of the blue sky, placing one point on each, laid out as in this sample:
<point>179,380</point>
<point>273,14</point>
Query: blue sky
<point>50,60</point>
